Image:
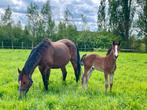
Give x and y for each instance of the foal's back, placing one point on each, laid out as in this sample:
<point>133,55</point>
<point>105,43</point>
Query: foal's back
<point>94,60</point>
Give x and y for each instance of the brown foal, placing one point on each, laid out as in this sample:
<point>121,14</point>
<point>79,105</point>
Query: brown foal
<point>105,64</point>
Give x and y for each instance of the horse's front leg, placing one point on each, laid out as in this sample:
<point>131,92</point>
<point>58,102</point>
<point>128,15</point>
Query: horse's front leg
<point>45,72</point>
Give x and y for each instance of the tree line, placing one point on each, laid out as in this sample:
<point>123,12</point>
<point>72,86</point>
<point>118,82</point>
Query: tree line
<point>115,21</point>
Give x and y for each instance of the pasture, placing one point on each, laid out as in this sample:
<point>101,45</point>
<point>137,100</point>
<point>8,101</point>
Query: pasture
<point>129,90</point>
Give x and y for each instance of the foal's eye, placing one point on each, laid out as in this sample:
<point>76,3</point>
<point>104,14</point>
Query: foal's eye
<point>24,83</point>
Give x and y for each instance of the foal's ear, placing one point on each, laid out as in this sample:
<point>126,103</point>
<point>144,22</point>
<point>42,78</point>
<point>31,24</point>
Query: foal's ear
<point>113,43</point>
<point>119,43</point>
<point>19,71</point>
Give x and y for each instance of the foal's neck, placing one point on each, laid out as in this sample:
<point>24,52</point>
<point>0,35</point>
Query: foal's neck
<point>111,58</point>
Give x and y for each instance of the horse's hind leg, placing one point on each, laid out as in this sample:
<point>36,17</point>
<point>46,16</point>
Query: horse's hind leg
<point>45,72</point>
<point>64,73</point>
<point>73,62</point>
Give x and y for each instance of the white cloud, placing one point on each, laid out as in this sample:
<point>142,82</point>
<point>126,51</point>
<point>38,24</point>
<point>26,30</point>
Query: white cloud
<point>76,7</point>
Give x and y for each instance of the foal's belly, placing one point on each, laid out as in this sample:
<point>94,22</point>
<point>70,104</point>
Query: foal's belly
<point>99,68</point>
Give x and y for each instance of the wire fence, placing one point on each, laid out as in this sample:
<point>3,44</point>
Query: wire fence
<point>16,45</point>
<point>31,45</point>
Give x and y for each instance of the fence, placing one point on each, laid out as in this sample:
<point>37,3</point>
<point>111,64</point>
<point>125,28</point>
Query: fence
<point>30,45</point>
<point>16,45</point>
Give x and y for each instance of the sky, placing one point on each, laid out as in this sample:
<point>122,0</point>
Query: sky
<point>77,7</point>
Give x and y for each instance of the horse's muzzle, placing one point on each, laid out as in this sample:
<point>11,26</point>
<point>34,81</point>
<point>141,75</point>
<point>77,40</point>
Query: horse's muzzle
<point>22,94</point>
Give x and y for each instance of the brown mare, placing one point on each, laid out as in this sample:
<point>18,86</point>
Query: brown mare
<point>48,55</point>
<point>105,64</point>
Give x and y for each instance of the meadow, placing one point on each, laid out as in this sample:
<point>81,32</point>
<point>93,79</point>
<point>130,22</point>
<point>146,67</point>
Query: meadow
<point>129,90</point>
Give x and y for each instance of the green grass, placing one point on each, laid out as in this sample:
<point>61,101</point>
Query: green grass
<point>129,90</point>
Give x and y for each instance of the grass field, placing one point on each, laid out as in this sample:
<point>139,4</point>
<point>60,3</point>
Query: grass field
<point>129,90</point>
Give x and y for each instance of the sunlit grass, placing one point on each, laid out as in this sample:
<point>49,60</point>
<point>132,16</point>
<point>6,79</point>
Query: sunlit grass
<point>129,90</point>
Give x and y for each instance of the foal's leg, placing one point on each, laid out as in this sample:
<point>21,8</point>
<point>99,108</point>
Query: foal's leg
<point>45,72</point>
<point>111,81</point>
<point>106,81</point>
<point>85,76</point>
<point>64,73</point>
<point>90,72</point>
<point>111,78</point>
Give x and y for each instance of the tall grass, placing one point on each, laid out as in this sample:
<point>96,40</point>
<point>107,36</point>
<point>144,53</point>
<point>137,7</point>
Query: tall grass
<point>129,89</point>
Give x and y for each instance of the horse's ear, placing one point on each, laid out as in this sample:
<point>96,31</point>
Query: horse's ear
<point>19,71</point>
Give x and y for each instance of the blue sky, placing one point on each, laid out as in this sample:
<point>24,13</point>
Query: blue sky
<point>76,7</point>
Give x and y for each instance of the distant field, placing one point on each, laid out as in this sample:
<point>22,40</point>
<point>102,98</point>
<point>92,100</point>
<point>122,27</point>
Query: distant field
<point>129,90</point>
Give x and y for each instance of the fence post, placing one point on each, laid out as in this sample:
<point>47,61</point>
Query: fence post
<point>32,45</point>
<point>12,44</point>
<point>85,47</point>
<point>2,44</point>
<point>22,45</point>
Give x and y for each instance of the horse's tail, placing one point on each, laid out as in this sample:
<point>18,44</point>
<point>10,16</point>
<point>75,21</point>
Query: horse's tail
<point>78,64</point>
<point>82,59</point>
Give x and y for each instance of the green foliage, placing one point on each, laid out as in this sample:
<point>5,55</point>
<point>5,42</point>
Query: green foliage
<point>128,93</point>
<point>41,25</point>
<point>96,39</point>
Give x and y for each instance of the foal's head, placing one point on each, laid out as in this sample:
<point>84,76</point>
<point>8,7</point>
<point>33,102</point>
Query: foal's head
<point>115,49</point>
<point>25,82</point>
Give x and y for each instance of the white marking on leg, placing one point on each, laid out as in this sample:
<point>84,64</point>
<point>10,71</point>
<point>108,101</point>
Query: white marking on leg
<point>90,72</point>
<point>111,78</point>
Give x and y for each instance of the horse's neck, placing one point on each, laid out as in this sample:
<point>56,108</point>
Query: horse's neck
<point>30,66</point>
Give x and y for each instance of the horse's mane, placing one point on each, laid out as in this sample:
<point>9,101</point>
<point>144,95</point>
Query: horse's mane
<point>35,56</point>
<point>109,50</point>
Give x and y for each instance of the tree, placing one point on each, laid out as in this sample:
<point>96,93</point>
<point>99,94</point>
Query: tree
<point>142,22</point>
<point>6,18</point>
<point>121,17</point>
<point>48,21</point>
<point>33,15</point>
<point>84,21</point>
<point>101,16</point>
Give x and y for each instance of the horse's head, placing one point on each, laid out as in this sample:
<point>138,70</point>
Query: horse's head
<point>115,49</point>
<point>25,82</point>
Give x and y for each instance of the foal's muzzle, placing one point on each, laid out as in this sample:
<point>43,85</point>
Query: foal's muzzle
<point>116,57</point>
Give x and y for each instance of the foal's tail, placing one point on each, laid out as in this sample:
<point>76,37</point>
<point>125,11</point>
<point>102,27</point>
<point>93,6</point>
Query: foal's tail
<point>82,59</point>
<point>78,64</point>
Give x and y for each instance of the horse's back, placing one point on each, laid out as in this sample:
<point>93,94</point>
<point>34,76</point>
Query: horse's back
<point>61,54</point>
<point>71,46</point>
<point>57,54</point>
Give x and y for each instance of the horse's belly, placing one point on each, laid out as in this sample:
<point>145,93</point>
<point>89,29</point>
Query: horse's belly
<point>58,64</point>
